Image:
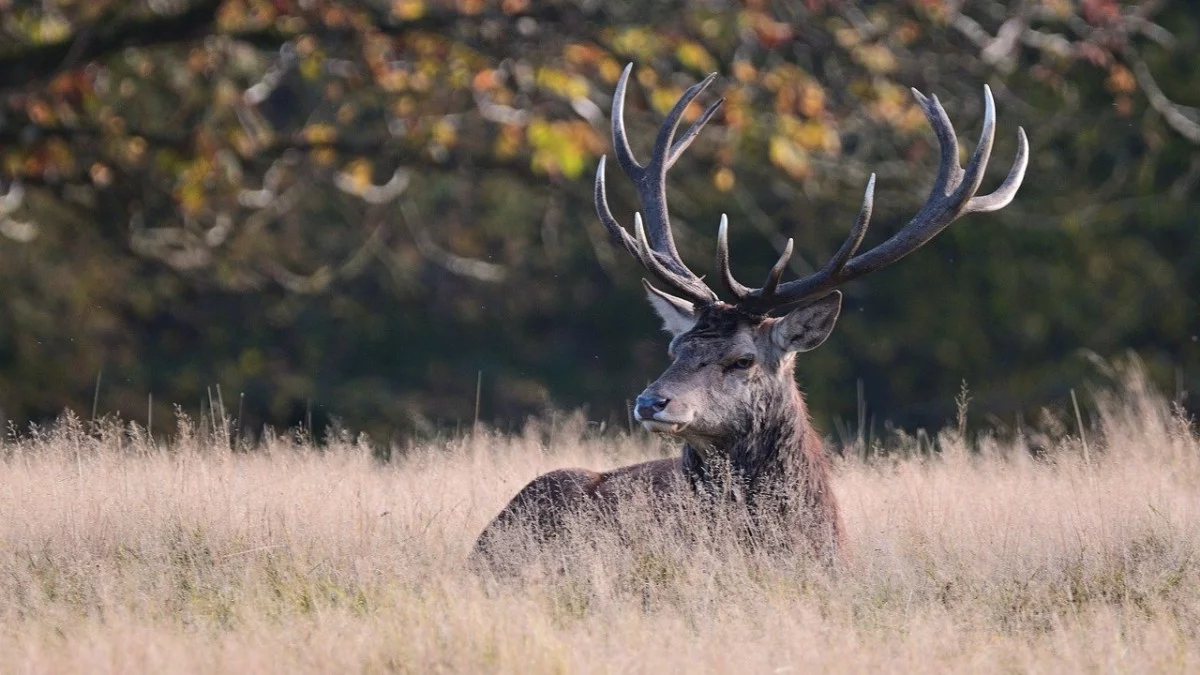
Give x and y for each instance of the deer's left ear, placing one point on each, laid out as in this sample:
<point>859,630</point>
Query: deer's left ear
<point>678,315</point>
<point>805,328</point>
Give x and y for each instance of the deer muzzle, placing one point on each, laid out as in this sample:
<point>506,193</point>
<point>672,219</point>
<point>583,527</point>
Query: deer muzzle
<point>652,409</point>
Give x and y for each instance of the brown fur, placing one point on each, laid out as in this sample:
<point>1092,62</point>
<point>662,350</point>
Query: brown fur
<point>749,440</point>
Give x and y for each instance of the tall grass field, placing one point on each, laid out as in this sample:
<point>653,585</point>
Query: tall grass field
<point>1048,549</point>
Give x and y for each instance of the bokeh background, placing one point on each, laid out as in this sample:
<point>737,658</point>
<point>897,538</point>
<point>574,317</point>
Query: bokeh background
<point>380,212</point>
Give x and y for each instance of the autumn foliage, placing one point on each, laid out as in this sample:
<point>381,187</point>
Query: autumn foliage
<point>365,210</point>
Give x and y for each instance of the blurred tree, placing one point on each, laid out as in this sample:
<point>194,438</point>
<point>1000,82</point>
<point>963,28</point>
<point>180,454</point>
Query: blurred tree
<point>360,207</point>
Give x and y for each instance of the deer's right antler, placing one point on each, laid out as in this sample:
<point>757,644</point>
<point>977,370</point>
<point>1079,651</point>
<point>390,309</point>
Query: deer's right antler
<point>654,246</point>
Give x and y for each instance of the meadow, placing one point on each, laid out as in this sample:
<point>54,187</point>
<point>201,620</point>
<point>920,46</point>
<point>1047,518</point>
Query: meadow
<point>1051,548</point>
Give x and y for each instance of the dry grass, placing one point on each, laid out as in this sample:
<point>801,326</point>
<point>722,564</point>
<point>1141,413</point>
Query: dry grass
<point>118,555</point>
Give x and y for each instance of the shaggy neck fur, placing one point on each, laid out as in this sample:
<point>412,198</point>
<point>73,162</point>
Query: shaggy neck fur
<point>774,462</point>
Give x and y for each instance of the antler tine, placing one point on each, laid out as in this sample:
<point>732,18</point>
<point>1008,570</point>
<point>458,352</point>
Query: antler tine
<point>610,223</point>
<point>1004,194</point>
<point>850,246</point>
<point>949,172</point>
<point>736,289</point>
<point>776,273</point>
<point>664,143</point>
<point>953,195</point>
<point>973,176</point>
<point>693,131</point>
<point>620,138</point>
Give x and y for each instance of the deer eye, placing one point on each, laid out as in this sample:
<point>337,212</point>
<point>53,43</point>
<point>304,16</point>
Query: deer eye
<point>742,364</point>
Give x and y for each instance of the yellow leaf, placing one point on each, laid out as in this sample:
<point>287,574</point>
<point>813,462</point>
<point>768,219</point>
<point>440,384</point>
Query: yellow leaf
<point>562,83</point>
<point>135,149</point>
<point>444,133</point>
<point>744,70</point>
<point>664,99</point>
<point>610,70</point>
<point>640,43</point>
<point>392,79</point>
<point>538,132</point>
<point>723,179</point>
<point>508,141</point>
<point>812,100</point>
<point>788,156</point>
<point>816,136</point>
<point>557,148</point>
<point>408,10</point>
<point>570,161</point>
<point>323,157</point>
<point>312,67</point>
<point>359,175</point>
<point>53,28</point>
<point>319,133</point>
<point>191,198</point>
<point>876,58</point>
<point>693,56</point>
<point>846,37</point>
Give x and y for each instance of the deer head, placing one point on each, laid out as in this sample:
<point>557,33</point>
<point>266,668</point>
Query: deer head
<point>732,362</point>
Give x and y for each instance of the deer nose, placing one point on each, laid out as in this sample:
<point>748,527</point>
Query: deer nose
<point>649,404</point>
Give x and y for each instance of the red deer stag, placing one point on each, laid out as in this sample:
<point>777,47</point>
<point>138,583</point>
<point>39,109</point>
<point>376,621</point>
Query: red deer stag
<point>730,394</point>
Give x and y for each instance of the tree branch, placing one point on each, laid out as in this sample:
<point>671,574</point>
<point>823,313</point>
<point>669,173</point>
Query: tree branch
<point>25,132</point>
<point>40,62</point>
<point>1183,119</point>
<point>37,63</point>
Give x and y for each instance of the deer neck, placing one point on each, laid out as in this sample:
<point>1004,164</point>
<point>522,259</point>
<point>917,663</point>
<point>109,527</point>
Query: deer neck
<point>769,449</point>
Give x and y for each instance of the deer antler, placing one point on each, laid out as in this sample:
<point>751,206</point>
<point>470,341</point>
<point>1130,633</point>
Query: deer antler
<point>953,196</point>
<point>654,245</point>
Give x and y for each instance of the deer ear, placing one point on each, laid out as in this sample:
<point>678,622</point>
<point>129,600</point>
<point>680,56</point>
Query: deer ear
<point>805,328</point>
<point>678,315</point>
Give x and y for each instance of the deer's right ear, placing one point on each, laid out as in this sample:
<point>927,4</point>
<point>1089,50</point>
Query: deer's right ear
<point>678,315</point>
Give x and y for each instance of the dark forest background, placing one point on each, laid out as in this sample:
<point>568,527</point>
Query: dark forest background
<point>364,210</point>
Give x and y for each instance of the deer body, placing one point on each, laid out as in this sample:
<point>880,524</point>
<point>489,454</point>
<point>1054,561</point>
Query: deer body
<point>766,454</point>
<point>729,394</point>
